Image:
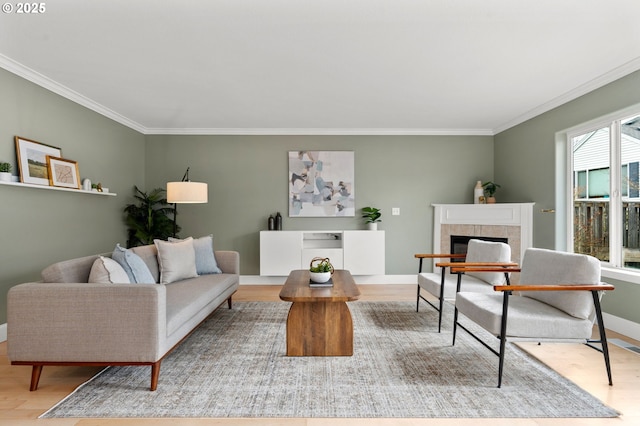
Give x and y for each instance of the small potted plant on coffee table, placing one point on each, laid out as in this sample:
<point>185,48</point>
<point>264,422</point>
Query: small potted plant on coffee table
<point>320,269</point>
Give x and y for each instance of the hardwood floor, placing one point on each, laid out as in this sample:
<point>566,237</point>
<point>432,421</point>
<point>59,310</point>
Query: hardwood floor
<point>582,365</point>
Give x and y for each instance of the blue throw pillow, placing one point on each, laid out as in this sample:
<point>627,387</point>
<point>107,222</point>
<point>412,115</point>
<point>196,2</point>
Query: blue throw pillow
<point>205,259</point>
<point>133,265</point>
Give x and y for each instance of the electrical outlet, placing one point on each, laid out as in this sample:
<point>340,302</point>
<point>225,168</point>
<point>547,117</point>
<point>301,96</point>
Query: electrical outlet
<point>395,211</point>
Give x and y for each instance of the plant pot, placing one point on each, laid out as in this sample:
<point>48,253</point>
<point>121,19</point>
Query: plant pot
<point>5,177</point>
<point>320,277</point>
<point>491,200</point>
<point>372,226</point>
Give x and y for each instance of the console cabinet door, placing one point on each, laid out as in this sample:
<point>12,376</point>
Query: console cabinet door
<point>279,252</point>
<point>364,252</point>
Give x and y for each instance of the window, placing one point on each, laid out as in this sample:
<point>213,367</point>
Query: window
<point>606,191</point>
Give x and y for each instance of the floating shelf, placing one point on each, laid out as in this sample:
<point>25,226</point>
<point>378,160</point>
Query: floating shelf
<point>56,188</point>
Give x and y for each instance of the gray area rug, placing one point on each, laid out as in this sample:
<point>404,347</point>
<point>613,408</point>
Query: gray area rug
<point>234,365</point>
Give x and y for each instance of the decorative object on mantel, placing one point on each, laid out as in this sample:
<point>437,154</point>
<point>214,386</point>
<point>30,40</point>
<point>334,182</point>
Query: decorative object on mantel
<point>271,223</point>
<point>63,172</point>
<point>32,160</point>
<point>490,188</point>
<point>149,219</point>
<point>320,269</point>
<point>5,172</point>
<point>372,217</point>
<point>478,193</point>
<point>185,192</point>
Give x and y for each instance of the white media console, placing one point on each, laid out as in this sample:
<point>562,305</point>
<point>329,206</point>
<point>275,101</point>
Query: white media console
<point>360,252</point>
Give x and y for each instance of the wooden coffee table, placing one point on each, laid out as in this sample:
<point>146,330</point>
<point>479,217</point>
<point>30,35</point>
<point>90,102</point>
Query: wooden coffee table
<point>319,321</point>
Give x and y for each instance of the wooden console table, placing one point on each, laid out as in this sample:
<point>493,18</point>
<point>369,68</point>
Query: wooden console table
<point>319,321</point>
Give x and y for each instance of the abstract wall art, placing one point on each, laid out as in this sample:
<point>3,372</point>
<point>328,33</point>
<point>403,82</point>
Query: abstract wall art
<point>321,184</point>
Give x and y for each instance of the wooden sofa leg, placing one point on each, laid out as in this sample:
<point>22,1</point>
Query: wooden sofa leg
<point>155,374</point>
<point>229,302</point>
<point>35,376</point>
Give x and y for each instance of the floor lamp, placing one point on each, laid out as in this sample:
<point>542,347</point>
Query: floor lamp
<point>185,192</point>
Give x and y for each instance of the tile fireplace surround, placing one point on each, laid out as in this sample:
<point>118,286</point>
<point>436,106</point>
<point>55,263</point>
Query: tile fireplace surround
<point>513,221</point>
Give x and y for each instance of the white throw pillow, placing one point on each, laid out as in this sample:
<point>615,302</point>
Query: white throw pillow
<point>107,271</point>
<point>205,258</point>
<point>177,260</point>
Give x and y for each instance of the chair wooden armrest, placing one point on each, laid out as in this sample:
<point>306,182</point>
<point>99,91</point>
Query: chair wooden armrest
<point>555,287</point>
<point>439,256</point>
<point>485,267</point>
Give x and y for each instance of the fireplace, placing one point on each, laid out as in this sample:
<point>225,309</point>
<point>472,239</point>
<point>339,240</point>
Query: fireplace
<point>459,243</point>
<point>506,222</point>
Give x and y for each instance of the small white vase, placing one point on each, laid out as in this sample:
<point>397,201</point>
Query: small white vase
<point>372,226</point>
<point>320,277</point>
<point>5,177</point>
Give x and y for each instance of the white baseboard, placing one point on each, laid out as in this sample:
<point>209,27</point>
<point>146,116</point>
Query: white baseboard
<point>622,326</point>
<point>3,332</point>
<point>359,279</point>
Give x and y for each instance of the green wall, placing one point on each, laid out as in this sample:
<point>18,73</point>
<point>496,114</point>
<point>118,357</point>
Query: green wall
<point>41,226</point>
<point>525,158</point>
<point>247,177</point>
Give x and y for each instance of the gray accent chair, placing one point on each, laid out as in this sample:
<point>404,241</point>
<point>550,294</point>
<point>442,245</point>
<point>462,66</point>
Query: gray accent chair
<point>443,284</point>
<point>557,299</point>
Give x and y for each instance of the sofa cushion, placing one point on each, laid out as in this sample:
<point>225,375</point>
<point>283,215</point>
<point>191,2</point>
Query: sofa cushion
<point>542,266</point>
<point>108,271</point>
<point>133,265</point>
<point>488,251</point>
<point>186,298</point>
<point>69,271</point>
<point>205,259</point>
<point>149,255</point>
<point>177,260</point>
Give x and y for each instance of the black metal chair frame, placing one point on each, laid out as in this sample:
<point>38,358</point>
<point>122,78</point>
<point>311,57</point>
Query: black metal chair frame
<point>503,325</point>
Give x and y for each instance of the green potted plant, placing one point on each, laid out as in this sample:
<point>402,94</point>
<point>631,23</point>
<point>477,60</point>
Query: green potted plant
<point>149,219</point>
<point>320,269</point>
<point>5,171</point>
<point>490,189</point>
<point>371,217</point>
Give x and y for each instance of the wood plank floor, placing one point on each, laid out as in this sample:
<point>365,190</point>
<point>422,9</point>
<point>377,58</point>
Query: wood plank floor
<point>582,365</point>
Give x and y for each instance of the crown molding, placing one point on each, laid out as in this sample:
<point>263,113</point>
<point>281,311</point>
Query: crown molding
<point>320,132</point>
<point>57,88</point>
<point>590,86</point>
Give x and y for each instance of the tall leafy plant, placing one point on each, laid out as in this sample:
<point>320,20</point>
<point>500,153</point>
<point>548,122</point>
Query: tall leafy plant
<point>150,218</point>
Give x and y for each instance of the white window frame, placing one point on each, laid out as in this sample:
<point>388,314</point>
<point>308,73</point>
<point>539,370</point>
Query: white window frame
<point>564,190</point>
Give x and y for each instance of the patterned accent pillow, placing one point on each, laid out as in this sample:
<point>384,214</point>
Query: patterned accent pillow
<point>133,265</point>
<point>205,258</point>
<point>108,271</point>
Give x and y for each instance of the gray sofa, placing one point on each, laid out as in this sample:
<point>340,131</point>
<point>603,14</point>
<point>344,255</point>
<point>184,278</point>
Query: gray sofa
<point>64,320</point>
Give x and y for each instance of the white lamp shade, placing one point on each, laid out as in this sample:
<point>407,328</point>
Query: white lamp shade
<point>187,192</point>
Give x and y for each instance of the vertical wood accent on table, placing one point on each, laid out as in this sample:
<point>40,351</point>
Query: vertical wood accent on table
<point>319,321</point>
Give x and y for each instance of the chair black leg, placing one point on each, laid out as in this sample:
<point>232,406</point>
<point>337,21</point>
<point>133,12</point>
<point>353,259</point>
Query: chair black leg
<point>418,299</point>
<point>455,325</point>
<point>603,335</point>
<point>442,272</point>
<point>503,335</point>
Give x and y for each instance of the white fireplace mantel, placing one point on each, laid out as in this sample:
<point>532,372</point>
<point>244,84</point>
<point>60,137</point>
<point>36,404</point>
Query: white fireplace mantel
<point>511,220</point>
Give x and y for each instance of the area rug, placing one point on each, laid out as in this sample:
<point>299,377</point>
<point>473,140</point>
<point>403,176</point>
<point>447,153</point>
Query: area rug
<point>234,365</point>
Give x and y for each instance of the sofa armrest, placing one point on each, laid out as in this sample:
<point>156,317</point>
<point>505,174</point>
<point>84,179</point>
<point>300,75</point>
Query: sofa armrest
<point>228,261</point>
<point>80,322</point>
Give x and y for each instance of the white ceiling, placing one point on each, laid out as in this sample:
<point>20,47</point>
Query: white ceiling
<point>324,66</point>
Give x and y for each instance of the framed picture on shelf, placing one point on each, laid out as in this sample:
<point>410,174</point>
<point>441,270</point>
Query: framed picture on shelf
<point>63,172</point>
<point>32,160</point>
